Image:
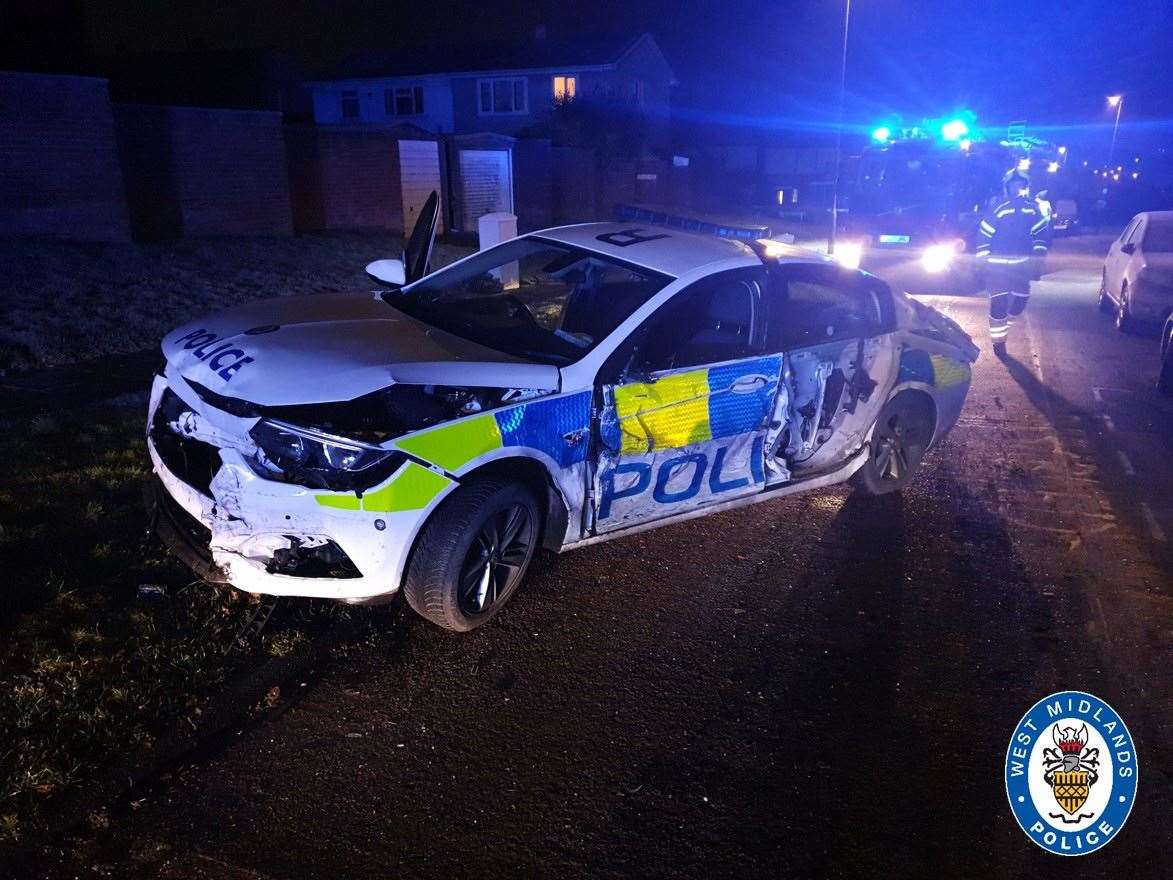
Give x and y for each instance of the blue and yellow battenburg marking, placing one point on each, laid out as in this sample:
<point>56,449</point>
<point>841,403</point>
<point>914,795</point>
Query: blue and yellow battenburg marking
<point>692,406</point>
<point>542,424</point>
<point>932,369</point>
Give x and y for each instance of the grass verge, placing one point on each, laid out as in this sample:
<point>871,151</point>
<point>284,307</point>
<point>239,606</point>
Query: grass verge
<point>92,667</point>
<point>66,302</point>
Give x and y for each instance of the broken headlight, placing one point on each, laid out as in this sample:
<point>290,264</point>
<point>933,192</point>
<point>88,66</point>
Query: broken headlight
<point>312,458</point>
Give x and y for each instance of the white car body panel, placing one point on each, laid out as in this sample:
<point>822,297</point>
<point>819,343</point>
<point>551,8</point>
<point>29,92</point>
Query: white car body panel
<point>308,349</point>
<point>331,348</point>
<point>1147,275</point>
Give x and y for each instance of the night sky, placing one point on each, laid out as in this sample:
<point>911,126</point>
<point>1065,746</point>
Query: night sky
<point>1050,62</point>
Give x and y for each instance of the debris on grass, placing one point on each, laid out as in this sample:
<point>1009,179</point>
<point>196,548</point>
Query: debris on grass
<point>152,592</point>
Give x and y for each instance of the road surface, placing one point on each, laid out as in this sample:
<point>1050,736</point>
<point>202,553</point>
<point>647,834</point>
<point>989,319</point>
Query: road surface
<point>819,686</point>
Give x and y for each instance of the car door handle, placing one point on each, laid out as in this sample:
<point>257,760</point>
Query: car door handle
<point>748,384</point>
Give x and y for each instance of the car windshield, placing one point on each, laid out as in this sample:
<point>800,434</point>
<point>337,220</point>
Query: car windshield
<point>922,179</point>
<point>531,298</point>
<point>1159,238</point>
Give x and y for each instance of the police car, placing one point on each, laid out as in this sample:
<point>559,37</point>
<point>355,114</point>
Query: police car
<point>560,389</point>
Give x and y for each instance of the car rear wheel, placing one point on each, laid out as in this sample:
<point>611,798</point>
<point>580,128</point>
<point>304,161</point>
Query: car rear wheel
<point>1125,323</point>
<point>903,432</point>
<point>1106,304</point>
<point>472,554</point>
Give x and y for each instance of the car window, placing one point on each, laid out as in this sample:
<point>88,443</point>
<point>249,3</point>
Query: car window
<point>714,320</point>
<point>1158,238</point>
<point>1129,230</point>
<point>533,298</point>
<point>808,305</point>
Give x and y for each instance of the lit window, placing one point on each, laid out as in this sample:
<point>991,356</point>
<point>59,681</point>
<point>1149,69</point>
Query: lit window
<point>502,96</point>
<point>565,88</point>
<point>350,105</point>
<point>407,101</point>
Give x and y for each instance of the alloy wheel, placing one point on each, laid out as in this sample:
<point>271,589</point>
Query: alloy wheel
<point>1123,313</point>
<point>496,559</point>
<point>892,453</point>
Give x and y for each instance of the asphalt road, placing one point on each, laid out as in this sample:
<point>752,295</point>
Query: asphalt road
<point>818,686</point>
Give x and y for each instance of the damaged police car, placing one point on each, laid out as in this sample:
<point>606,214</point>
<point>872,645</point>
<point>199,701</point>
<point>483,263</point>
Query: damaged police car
<point>562,388</point>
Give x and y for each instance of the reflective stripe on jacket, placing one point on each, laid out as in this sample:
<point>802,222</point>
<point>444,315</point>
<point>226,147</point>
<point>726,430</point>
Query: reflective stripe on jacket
<point>1013,231</point>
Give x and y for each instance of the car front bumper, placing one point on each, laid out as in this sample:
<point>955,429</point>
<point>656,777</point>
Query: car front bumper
<point>237,531</point>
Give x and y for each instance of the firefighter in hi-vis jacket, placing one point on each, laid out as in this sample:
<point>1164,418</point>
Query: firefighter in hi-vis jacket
<point>1011,238</point>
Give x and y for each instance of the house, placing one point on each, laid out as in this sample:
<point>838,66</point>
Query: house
<point>479,99</point>
<point>496,89</point>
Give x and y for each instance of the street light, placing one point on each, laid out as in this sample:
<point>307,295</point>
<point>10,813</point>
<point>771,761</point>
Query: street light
<point>839,129</point>
<point>1116,101</point>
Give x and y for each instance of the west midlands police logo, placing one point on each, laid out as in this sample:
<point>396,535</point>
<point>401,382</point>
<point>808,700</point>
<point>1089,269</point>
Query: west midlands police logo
<point>1071,773</point>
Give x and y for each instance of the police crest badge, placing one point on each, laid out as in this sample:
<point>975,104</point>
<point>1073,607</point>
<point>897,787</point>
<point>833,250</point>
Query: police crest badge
<point>1071,773</point>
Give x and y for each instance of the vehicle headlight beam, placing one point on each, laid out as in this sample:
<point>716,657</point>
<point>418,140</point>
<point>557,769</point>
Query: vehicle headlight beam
<point>848,254</point>
<point>938,257</point>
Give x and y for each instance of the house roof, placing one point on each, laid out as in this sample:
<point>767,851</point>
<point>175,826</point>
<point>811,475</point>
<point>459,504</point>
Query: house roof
<point>589,51</point>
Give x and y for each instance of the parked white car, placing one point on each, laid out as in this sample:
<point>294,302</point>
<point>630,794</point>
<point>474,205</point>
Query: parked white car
<point>1137,281</point>
<point>562,388</point>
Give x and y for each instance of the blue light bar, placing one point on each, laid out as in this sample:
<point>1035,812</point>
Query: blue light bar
<point>692,224</point>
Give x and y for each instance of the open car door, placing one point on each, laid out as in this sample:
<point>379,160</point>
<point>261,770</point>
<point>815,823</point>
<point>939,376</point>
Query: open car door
<point>684,421</point>
<point>417,256</point>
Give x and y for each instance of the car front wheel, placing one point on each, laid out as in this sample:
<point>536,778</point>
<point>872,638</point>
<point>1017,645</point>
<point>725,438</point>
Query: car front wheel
<point>1125,323</point>
<point>1106,304</point>
<point>472,554</point>
<point>901,437</point>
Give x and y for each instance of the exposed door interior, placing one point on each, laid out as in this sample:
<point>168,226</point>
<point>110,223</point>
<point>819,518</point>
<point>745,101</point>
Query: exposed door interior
<point>829,325</point>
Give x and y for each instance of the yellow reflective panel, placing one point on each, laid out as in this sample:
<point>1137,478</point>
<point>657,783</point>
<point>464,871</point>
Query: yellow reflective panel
<point>948,372</point>
<point>456,443</point>
<point>668,413</point>
<point>412,488</point>
<point>348,501</point>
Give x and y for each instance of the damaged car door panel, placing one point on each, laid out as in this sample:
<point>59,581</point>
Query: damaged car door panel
<point>560,389</point>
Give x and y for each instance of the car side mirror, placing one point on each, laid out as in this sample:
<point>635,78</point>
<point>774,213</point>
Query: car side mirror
<point>1129,248</point>
<point>389,272</point>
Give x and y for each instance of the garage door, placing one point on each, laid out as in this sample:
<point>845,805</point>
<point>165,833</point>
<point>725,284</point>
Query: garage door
<point>419,174</point>
<point>486,184</point>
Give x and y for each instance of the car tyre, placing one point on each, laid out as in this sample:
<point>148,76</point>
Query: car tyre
<point>1125,322</point>
<point>1106,304</point>
<point>472,554</point>
<point>1165,376</point>
<point>901,437</point>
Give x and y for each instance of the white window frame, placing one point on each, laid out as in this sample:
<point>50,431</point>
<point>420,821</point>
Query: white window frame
<point>412,91</point>
<point>513,81</point>
<point>569,87</point>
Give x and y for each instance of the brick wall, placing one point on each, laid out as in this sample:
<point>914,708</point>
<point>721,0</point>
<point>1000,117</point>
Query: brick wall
<point>576,185</point>
<point>533,184</point>
<point>344,178</point>
<point>194,171</point>
<point>59,171</point>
